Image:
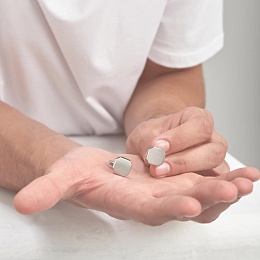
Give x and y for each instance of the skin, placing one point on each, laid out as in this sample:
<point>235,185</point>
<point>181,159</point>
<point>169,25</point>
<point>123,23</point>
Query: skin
<point>140,197</point>
<point>170,109</point>
<point>46,167</point>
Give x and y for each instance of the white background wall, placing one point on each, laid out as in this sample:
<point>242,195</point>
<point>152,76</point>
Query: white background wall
<point>233,81</point>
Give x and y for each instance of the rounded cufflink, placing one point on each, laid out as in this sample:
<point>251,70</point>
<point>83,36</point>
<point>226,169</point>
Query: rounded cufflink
<point>121,166</point>
<point>155,156</point>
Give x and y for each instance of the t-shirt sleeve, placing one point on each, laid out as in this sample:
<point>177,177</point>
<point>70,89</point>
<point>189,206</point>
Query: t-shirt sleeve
<point>191,31</point>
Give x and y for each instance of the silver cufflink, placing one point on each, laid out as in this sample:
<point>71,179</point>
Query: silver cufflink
<point>155,156</point>
<point>121,166</point>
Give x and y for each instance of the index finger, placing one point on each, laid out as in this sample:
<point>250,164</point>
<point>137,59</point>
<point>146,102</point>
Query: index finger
<point>193,132</point>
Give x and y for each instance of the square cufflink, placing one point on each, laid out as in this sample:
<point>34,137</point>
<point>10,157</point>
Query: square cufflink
<point>155,156</point>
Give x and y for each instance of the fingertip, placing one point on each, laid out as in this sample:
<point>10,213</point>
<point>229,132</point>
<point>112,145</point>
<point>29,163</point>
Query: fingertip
<point>244,186</point>
<point>37,196</point>
<point>24,203</point>
<point>153,171</point>
<point>163,144</point>
<point>254,173</point>
<point>223,168</point>
<point>162,170</point>
<point>21,205</point>
<point>250,173</point>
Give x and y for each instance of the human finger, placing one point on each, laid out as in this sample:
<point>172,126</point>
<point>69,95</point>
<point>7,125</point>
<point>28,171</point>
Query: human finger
<point>203,157</point>
<point>215,196</point>
<point>161,210</point>
<point>221,169</point>
<point>210,191</point>
<point>249,173</point>
<point>154,211</point>
<point>213,192</point>
<point>193,132</point>
<point>212,213</point>
<point>43,193</point>
<point>244,187</point>
<point>165,134</point>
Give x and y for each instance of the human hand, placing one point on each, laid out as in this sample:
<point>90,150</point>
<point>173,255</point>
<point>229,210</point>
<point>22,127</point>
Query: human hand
<point>188,138</point>
<point>84,178</point>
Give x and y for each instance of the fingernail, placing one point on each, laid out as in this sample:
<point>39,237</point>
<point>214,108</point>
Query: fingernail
<point>162,144</point>
<point>162,170</point>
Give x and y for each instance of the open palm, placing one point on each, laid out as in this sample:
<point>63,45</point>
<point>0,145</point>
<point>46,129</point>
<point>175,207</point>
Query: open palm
<point>84,177</point>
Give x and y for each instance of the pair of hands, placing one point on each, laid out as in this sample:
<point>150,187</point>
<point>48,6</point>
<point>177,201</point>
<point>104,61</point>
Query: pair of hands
<point>83,176</point>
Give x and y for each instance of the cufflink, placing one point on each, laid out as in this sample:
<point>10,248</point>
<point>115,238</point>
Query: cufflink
<point>121,166</point>
<point>155,156</point>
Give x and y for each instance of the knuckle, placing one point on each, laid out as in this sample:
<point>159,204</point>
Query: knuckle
<point>206,127</point>
<point>209,116</point>
<point>201,112</point>
<point>194,109</point>
<point>224,142</point>
<point>218,153</point>
<point>178,142</point>
<point>138,140</point>
<point>181,164</point>
<point>191,111</point>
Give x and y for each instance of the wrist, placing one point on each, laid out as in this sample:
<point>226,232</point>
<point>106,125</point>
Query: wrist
<point>50,149</point>
<point>28,148</point>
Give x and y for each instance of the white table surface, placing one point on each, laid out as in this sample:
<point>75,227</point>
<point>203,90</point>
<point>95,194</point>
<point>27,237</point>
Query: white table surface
<point>68,232</point>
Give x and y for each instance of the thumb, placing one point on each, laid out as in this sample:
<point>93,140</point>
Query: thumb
<point>43,193</point>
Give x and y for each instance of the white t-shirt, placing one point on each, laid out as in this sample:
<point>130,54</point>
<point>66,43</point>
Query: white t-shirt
<point>73,64</point>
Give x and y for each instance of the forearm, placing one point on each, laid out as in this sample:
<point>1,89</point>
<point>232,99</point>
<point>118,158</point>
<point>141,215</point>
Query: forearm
<point>27,148</point>
<point>161,91</point>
